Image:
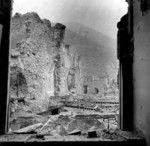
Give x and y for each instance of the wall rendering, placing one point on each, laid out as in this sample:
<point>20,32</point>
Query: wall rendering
<point>142,68</point>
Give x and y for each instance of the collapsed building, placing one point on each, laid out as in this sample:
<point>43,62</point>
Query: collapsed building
<point>46,73</point>
<point>48,65</point>
<point>43,65</point>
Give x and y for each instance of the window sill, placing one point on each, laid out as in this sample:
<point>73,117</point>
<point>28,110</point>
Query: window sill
<point>128,138</point>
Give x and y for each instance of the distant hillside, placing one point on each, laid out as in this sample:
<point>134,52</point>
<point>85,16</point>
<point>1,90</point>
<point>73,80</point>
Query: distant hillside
<point>97,51</point>
<point>93,35</point>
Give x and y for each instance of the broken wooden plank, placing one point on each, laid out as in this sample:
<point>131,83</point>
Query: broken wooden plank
<point>75,132</point>
<point>29,129</point>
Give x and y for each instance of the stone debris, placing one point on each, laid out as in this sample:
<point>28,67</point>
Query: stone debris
<point>30,129</point>
<point>73,123</point>
<point>113,126</point>
<point>55,133</point>
<point>61,130</point>
<point>112,135</point>
<point>51,120</point>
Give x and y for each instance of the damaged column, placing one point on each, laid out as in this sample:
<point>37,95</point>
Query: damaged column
<point>59,31</point>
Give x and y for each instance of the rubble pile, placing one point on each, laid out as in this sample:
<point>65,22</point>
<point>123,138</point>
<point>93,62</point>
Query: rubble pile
<point>71,123</point>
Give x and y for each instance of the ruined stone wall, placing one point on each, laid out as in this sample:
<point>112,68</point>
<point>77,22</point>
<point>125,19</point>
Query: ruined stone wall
<point>31,43</point>
<point>49,66</point>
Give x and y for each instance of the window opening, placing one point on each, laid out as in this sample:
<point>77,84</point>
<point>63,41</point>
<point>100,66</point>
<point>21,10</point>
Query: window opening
<point>63,77</point>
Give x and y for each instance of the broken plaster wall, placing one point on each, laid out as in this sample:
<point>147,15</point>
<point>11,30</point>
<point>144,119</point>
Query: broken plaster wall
<point>142,68</point>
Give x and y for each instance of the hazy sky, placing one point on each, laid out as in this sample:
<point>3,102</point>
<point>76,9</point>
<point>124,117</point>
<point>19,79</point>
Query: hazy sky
<point>102,15</point>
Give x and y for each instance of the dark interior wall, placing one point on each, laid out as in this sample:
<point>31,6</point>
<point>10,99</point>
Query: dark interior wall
<point>142,70</point>
<point>5,7</point>
<point>125,51</point>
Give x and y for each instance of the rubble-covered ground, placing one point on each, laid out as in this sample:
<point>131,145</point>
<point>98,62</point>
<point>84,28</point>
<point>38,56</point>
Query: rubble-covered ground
<point>67,116</point>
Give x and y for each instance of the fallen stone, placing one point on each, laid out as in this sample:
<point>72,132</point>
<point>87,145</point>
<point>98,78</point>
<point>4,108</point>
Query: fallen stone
<point>101,120</point>
<point>54,133</point>
<point>75,132</point>
<point>72,126</point>
<point>106,126</point>
<point>113,126</point>
<point>54,118</point>
<point>92,128</point>
<point>61,130</point>
<point>29,129</point>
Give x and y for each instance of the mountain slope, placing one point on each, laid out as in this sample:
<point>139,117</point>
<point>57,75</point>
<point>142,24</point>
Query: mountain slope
<point>97,51</point>
<point>92,34</point>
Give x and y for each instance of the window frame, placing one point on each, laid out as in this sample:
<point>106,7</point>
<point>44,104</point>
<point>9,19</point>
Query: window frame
<point>5,21</point>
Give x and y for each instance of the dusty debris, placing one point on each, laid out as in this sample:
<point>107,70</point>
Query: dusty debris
<point>38,136</point>
<point>54,133</point>
<point>30,129</point>
<point>112,135</point>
